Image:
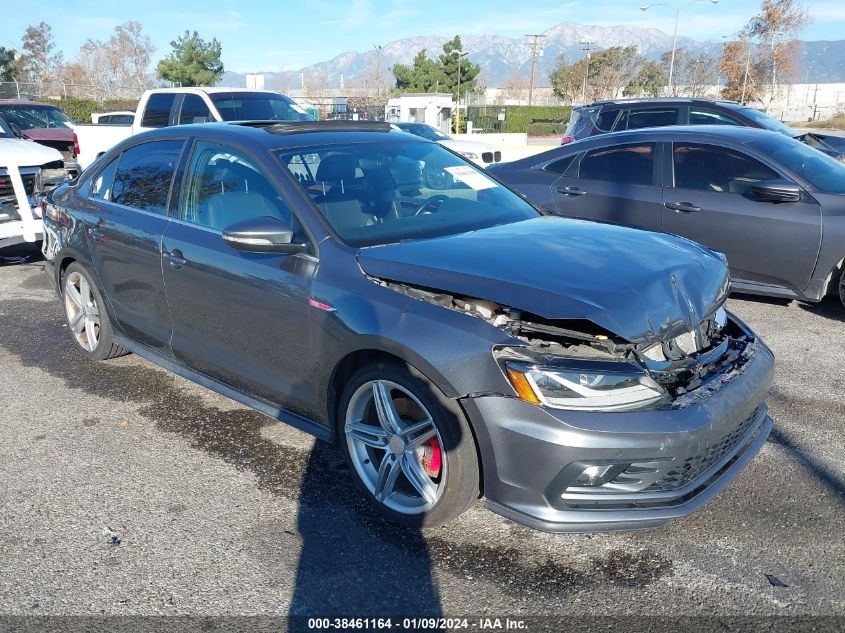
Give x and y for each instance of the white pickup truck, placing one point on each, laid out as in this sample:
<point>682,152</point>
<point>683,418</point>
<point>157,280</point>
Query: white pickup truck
<point>162,107</point>
<point>27,170</point>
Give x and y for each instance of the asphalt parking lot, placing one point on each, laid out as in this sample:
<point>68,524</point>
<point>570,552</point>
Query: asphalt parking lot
<point>125,490</point>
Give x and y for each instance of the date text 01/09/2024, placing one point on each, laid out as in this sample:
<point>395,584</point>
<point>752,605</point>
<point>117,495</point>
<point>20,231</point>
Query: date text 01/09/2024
<point>432,623</point>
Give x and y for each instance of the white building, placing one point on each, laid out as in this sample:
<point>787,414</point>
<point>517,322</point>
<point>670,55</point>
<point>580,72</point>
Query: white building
<point>434,108</point>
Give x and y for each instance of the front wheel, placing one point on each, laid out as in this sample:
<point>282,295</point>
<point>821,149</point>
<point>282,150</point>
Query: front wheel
<point>408,446</point>
<point>86,315</point>
<point>842,287</point>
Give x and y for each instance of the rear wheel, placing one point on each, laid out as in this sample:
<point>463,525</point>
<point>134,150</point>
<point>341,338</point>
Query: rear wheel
<point>407,445</point>
<point>842,288</point>
<point>87,319</point>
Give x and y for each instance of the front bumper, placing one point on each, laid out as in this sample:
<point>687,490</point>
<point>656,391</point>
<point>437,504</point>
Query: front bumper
<point>681,457</point>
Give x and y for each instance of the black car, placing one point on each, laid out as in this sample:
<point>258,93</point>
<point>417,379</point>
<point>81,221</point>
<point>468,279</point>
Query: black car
<point>773,205</point>
<point>377,290</point>
<point>618,115</point>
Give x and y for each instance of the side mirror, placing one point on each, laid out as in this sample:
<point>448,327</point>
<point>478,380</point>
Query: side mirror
<point>262,235</point>
<point>777,191</point>
<point>16,130</point>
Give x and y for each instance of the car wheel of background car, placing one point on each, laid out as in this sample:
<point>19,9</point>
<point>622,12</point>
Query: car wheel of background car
<point>842,288</point>
<point>408,446</point>
<point>87,318</point>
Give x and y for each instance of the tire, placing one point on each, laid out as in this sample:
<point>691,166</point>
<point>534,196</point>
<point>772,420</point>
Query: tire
<point>424,475</point>
<point>87,318</point>
<point>842,288</point>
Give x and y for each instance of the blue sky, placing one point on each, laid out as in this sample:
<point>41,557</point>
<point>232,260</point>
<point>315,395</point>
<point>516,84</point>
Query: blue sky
<point>288,34</point>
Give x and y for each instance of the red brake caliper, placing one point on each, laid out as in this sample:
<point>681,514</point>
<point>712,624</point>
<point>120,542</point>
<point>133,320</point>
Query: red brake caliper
<point>431,458</point>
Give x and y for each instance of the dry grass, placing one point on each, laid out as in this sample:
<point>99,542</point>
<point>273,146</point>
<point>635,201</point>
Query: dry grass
<point>837,121</point>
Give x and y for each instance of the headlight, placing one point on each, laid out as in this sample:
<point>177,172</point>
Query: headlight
<point>605,389</point>
<point>469,155</point>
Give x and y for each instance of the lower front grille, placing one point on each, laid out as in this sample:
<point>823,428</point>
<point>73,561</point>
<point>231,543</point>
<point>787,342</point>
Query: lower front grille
<point>497,157</point>
<point>695,465</point>
<point>487,157</point>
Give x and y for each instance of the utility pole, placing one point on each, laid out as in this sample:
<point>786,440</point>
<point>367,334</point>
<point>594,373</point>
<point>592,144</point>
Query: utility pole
<point>459,53</point>
<point>378,70</point>
<point>586,47</point>
<point>538,43</point>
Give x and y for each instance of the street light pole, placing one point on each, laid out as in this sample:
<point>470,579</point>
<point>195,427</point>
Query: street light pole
<point>677,11</point>
<point>460,53</point>
<point>378,69</point>
<point>586,47</point>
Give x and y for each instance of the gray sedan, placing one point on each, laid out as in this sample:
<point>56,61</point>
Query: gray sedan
<point>773,205</point>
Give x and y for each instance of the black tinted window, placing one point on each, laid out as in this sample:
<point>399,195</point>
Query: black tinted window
<point>721,169</point>
<point>194,110</point>
<point>157,112</point>
<point>225,187</point>
<point>636,119</point>
<point>628,164</point>
<point>257,106</point>
<point>606,119</point>
<point>560,166</point>
<point>710,117</point>
<point>144,174</point>
<point>101,185</point>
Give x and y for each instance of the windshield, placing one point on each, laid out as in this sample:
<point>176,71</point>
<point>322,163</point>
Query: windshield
<point>380,193</point>
<point>820,170</point>
<point>27,117</point>
<point>257,106</point>
<point>423,130</point>
<point>765,121</point>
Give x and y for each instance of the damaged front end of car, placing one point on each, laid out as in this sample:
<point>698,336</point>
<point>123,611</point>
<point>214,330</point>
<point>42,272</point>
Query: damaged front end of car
<point>578,365</point>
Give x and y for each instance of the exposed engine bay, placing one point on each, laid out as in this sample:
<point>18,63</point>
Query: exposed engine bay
<point>680,362</point>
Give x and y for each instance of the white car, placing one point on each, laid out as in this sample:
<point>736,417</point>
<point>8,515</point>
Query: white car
<point>480,153</point>
<point>27,170</point>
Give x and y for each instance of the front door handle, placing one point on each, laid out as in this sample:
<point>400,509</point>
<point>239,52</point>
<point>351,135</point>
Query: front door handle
<point>571,191</point>
<point>175,258</point>
<point>683,207</point>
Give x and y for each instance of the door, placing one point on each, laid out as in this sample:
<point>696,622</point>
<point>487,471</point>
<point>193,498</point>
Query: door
<point>712,202</point>
<point>130,198</point>
<point>241,318</point>
<point>617,183</point>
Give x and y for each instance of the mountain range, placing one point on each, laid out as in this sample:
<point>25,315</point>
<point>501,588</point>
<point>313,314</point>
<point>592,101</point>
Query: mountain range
<point>500,56</point>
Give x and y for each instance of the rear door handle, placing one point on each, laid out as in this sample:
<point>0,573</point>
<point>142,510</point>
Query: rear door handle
<point>175,258</point>
<point>683,207</point>
<point>571,191</point>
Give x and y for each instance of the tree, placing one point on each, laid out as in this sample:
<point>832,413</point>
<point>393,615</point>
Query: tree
<point>650,81</point>
<point>693,73</point>
<point>8,69</point>
<point>567,80</point>
<point>771,37</point>
<point>452,63</point>
<point>193,61</point>
<point>128,52</point>
<point>38,63</point>
<point>515,87</point>
<point>424,75</point>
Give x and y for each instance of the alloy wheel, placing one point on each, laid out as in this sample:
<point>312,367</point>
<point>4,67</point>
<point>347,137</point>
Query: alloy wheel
<point>83,314</point>
<point>395,447</point>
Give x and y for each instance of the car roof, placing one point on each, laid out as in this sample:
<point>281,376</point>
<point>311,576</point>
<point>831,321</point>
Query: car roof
<point>28,102</point>
<point>646,101</point>
<point>736,133</point>
<point>284,134</point>
<point>214,90</point>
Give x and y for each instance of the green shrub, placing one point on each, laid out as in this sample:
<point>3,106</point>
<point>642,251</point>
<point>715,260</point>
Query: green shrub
<point>518,118</point>
<point>80,109</point>
<point>546,128</point>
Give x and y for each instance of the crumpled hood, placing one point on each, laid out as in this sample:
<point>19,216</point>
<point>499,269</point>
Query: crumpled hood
<point>21,153</point>
<point>49,134</point>
<point>639,285</point>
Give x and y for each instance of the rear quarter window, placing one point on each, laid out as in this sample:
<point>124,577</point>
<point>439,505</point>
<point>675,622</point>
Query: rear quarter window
<point>144,175</point>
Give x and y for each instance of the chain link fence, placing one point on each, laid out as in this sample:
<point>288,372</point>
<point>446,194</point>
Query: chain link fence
<point>57,89</point>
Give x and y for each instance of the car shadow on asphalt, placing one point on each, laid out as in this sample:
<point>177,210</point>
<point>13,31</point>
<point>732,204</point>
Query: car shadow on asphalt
<point>829,308</point>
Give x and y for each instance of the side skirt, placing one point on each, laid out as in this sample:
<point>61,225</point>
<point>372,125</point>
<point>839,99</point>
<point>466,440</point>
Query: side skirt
<point>262,406</point>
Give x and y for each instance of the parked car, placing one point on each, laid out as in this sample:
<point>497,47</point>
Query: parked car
<point>453,341</point>
<point>27,170</point>
<point>118,117</point>
<point>617,115</point>
<point>163,107</point>
<point>45,124</point>
<point>773,205</point>
<point>479,153</point>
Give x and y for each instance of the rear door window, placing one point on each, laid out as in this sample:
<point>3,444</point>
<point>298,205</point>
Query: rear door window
<point>638,119</point>
<point>560,166</point>
<point>157,112</point>
<point>144,175</point>
<point>627,164</point>
<point>699,116</point>
<point>703,167</point>
<point>605,119</point>
<point>194,110</point>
